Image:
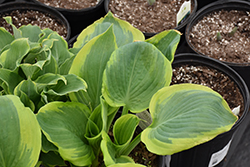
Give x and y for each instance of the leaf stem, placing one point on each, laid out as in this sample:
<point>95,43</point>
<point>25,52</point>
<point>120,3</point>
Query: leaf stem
<point>124,110</point>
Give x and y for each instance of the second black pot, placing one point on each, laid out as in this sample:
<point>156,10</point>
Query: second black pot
<point>214,152</point>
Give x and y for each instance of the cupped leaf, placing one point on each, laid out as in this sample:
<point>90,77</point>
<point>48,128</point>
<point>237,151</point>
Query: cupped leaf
<point>6,38</point>
<point>13,56</point>
<point>73,84</point>
<point>90,63</point>
<point>20,139</point>
<point>110,154</point>
<point>28,88</point>
<point>59,49</point>
<point>64,125</point>
<point>10,79</point>
<point>125,33</point>
<point>166,42</point>
<point>124,129</point>
<point>133,74</point>
<point>184,116</point>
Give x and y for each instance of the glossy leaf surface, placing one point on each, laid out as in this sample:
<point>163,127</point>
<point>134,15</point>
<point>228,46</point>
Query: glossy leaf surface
<point>184,116</point>
<point>133,74</point>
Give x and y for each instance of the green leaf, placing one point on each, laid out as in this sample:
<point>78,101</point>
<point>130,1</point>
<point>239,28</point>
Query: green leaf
<point>73,84</point>
<point>59,49</point>
<point>184,116</point>
<point>166,42</point>
<point>31,32</point>
<point>133,74</point>
<point>90,63</point>
<point>6,38</point>
<point>28,88</point>
<point>20,139</point>
<point>13,56</point>
<point>124,129</point>
<point>64,125</point>
<point>65,67</point>
<point>49,79</point>
<point>124,32</point>
<point>11,80</point>
<point>109,150</point>
<point>17,33</point>
<point>47,146</point>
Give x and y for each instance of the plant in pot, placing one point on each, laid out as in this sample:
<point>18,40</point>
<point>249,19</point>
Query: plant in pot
<point>223,17</point>
<point>194,68</point>
<point>24,13</point>
<point>153,16</point>
<point>120,69</point>
<point>80,14</point>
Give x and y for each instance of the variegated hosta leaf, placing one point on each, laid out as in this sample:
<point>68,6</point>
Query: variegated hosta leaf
<point>10,79</point>
<point>73,84</point>
<point>166,42</point>
<point>124,32</point>
<point>59,49</point>
<point>110,154</point>
<point>13,56</point>
<point>6,38</point>
<point>133,74</point>
<point>184,116</point>
<point>32,32</point>
<point>64,125</point>
<point>90,63</point>
<point>20,139</point>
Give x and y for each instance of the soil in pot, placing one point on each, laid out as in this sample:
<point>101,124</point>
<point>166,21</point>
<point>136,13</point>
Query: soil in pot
<point>148,18</point>
<point>24,17</point>
<point>204,75</point>
<point>230,47</point>
<point>74,5</point>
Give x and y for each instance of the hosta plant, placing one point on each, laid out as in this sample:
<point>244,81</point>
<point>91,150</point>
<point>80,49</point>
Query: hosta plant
<point>121,70</point>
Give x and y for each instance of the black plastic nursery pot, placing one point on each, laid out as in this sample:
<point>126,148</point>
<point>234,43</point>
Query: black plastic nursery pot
<point>180,27</point>
<point>241,68</point>
<point>215,152</point>
<point>26,6</point>
<point>79,19</point>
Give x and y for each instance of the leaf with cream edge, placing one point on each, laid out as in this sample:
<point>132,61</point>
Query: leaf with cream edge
<point>184,116</point>
<point>134,73</point>
<point>124,32</point>
<point>64,125</point>
<point>123,131</point>
<point>166,42</point>
<point>20,139</point>
<point>90,63</point>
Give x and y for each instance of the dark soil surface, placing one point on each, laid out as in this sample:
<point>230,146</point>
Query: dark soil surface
<point>21,17</point>
<point>212,78</point>
<point>152,19</point>
<point>231,48</point>
<point>70,4</point>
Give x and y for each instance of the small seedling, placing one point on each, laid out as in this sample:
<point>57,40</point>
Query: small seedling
<point>151,2</point>
<point>233,31</point>
<point>219,38</point>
